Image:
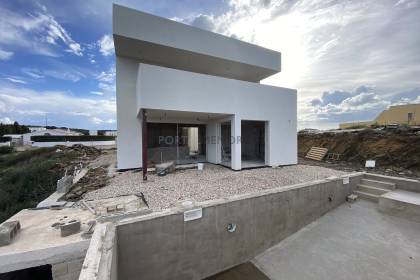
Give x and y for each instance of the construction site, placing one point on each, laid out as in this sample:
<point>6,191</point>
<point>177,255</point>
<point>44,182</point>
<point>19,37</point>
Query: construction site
<point>209,179</point>
<point>292,222</point>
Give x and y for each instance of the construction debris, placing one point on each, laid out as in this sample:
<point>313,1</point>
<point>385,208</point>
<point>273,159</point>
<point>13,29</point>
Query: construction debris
<point>8,231</point>
<point>94,179</point>
<point>69,227</point>
<point>165,168</point>
<point>317,153</point>
<point>351,198</point>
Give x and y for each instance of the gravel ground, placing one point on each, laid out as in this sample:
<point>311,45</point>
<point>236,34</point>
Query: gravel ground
<point>211,183</point>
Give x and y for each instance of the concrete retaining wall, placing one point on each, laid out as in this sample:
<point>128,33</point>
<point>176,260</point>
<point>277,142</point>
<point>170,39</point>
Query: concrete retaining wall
<point>163,246</point>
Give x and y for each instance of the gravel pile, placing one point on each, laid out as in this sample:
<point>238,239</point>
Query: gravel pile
<point>211,183</point>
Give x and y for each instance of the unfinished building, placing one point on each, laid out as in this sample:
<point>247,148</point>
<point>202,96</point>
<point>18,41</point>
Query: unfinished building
<point>189,95</point>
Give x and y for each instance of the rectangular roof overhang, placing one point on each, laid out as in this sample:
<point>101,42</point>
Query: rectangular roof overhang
<point>159,41</point>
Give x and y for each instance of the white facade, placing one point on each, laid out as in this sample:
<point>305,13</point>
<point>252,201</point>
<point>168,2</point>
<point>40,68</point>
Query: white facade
<point>110,133</point>
<point>195,76</point>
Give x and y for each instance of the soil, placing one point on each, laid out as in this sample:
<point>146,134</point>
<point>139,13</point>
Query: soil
<point>100,170</point>
<point>395,152</point>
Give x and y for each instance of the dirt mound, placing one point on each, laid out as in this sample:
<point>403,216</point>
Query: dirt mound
<point>94,179</point>
<point>397,151</point>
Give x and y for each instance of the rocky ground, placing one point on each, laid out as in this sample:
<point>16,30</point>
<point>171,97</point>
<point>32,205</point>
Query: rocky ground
<point>211,183</point>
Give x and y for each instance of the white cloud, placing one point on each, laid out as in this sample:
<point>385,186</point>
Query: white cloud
<point>27,105</point>
<point>107,81</point>
<point>67,75</point>
<point>106,45</point>
<point>330,44</point>
<point>15,80</point>
<point>5,55</point>
<point>73,76</point>
<point>6,120</point>
<point>97,93</point>
<point>36,32</point>
<point>97,120</point>
<point>107,76</point>
<point>33,73</point>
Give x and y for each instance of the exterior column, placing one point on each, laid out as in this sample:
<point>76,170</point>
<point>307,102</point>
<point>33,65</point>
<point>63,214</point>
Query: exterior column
<point>236,152</point>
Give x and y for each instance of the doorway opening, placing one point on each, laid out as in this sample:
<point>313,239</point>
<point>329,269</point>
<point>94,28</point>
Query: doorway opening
<point>253,144</point>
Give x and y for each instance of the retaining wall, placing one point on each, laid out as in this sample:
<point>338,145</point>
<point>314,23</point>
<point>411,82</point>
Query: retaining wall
<point>164,246</point>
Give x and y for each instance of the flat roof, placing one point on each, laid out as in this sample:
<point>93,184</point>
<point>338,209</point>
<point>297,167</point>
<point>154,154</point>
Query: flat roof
<point>160,41</point>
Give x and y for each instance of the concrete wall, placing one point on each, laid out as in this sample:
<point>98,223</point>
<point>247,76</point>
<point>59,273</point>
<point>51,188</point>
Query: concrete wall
<point>163,246</point>
<point>69,270</point>
<point>128,125</point>
<point>169,89</point>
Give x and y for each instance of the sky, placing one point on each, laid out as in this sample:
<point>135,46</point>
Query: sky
<point>348,60</point>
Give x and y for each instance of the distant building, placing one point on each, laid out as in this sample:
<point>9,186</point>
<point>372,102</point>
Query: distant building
<point>93,132</point>
<point>36,128</point>
<point>110,133</point>
<point>49,132</point>
<point>15,139</point>
<point>408,114</point>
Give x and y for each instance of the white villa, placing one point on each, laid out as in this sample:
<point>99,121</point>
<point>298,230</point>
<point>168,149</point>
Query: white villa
<point>189,95</point>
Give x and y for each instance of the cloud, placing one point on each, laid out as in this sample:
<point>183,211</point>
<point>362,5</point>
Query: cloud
<point>6,120</point>
<point>37,32</point>
<point>97,93</point>
<point>5,55</point>
<point>96,120</point>
<point>30,106</point>
<point>362,104</point>
<point>205,22</point>
<point>67,75</point>
<point>106,45</point>
<point>106,82</point>
<point>15,80</point>
<point>73,76</point>
<point>331,45</point>
<point>33,73</point>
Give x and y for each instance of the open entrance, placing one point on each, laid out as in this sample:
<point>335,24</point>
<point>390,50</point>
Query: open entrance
<point>178,142</point>
<point>252,144</point>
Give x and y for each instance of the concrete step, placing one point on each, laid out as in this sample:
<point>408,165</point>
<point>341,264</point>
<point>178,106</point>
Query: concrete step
<point>372,190</point>
<point>367,196</point>
<point>378,184</point>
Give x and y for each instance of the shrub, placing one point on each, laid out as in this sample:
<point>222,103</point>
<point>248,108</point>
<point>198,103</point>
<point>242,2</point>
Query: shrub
<point>6,150</point>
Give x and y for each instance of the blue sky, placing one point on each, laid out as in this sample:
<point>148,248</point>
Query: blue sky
<point>348,59</point>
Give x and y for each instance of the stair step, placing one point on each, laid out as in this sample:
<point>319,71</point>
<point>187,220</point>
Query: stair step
<point>367,196</point>
<point>378,184</point>
<point>372,190</point>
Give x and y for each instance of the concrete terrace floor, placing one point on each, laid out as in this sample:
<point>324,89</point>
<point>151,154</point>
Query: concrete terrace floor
<point>353,241</point>
<point>211,183</point>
